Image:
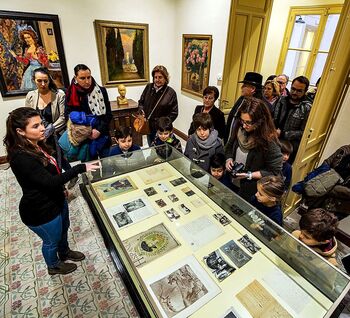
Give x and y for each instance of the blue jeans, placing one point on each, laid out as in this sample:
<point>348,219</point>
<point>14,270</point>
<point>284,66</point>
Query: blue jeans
<point>55,237</point>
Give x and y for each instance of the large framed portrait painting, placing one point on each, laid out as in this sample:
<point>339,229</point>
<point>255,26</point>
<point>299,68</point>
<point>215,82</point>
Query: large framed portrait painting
<point>29,41</point>
<point>123,52</point>
<point>196,55</point>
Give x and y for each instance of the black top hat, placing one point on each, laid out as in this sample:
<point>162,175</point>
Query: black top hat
<point>253,78</point>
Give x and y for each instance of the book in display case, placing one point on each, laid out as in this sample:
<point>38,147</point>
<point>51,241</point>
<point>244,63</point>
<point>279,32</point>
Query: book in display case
<point>187,246</point>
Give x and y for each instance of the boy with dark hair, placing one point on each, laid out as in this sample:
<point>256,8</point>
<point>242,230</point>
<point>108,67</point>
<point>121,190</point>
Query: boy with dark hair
<point>287,170</point>
<point>124,145</point>
<point>204,143</point>
<point>165,134</point>
<point>218,171</point>
<point>317,230</point>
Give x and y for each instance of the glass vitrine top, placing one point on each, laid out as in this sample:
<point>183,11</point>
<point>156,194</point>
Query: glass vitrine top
<point>330,281</point>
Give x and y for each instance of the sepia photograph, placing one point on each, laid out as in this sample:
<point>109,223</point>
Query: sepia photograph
<point>172,214</point>
<point>150,191</point>
<point>249,244</point>
<point>188,191</point>
<point>161,203</point>
<point>182,289</point>
<point>112,187</point>
<point>134,205</point>
<point>178,181</point>
<point>184,208</point>
<point>219,267</point>
<point>235,253</point>
<point>173,198</point>
<point>122,218</point>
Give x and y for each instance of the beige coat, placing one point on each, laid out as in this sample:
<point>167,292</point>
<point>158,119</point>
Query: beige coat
<point>57,107</point>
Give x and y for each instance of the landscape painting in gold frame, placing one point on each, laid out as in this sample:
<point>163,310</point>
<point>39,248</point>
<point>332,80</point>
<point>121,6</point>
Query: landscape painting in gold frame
<point>123,52</point>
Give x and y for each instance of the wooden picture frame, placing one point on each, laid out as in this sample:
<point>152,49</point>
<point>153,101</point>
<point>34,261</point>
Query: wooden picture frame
<point>196,56</point>
<point>131,65</point>
<point>28,41</point>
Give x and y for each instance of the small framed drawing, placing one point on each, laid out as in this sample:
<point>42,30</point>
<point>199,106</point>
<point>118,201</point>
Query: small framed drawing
<point>196,55</point>
<point>123,52</point>
<point>29,41</point>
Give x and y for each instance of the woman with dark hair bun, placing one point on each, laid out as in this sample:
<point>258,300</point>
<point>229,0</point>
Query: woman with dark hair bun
<point>210,95</point>
<point>158,99</point>
<point>254,144</point>
<point>49,102</point>
<point>43,206</point>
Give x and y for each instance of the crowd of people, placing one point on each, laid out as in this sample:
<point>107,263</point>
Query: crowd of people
<point>252,153</point>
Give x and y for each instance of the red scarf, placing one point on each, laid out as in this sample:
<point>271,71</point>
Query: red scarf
<point>76,93</point>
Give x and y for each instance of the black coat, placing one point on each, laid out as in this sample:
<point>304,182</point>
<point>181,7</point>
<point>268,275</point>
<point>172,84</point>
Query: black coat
<point>268,162</point>
<point>217,116</point>
<point>167,107</point>
<point>43,188</point>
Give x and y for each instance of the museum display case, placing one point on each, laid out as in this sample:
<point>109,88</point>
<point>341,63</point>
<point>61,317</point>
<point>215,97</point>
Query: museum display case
<point>186,245</point>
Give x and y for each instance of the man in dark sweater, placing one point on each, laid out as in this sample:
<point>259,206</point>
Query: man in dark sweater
<point>291,114</point>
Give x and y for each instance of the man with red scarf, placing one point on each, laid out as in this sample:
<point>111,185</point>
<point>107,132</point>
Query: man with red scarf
<point>85,95</point>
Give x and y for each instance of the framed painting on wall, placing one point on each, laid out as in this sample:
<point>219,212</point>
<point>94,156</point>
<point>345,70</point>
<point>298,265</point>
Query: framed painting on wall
<point>196,55</point>
<point>29,41</point>
<point>123,52</point>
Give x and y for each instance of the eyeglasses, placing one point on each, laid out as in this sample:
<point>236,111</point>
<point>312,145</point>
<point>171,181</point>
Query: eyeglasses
<point>296,90</point>
<point>42,81</point>
<point>248,123</point>
<point>281,83</point>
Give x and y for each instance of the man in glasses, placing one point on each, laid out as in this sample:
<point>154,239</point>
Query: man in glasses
<point>282,80</point>
<point>291,114</point>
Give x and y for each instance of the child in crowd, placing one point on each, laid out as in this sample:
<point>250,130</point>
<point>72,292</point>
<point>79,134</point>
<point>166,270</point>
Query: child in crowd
<point>165,134</point>
<point>286,149</point>
<point>268,197</point>
<point>204,143</point>
<point>217,169</point>
<point>124,144</point>
<point>317,230</point>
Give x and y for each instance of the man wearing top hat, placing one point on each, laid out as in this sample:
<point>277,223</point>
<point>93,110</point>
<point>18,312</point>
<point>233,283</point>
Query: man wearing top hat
<point>251,87</point>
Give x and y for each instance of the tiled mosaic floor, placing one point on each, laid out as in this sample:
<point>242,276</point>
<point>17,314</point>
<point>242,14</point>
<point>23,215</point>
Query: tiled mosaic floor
<point>26,290</point>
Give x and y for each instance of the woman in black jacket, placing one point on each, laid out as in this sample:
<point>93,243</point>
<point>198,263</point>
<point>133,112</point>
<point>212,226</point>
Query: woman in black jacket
<point>210,95</point>
<point>254,143</point>
<point>43,206</point>
<point>158,99</point>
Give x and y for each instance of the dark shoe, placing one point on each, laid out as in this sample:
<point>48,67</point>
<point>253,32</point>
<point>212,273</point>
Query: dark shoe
<point>72,183</point>
<point>62,268</point>
<point>74,256</point>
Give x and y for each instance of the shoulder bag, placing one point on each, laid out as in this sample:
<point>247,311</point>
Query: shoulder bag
<point>141,123</point>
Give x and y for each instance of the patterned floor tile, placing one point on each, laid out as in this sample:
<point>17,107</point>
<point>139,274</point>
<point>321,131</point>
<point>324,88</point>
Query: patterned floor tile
<point>95,289</point>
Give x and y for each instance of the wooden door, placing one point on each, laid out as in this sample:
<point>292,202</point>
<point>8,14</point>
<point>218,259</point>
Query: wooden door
<point>327,103</point>
<point>246,37</point>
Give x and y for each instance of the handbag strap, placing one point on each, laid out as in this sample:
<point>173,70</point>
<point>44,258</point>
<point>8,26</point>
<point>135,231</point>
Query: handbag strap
<point>149,116</point>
